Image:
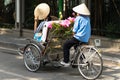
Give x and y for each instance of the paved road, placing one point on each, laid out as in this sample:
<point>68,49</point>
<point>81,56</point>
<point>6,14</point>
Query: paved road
<point>12,68</point>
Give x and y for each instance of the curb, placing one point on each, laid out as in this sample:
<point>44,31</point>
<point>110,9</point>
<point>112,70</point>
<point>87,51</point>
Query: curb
<point>10,38</point>
<point>10,45</point>
<point>16,33</point>
<point>106,42</point>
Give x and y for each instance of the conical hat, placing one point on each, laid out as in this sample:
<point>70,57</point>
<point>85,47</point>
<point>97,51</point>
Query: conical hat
<point>81,9</point>
<point>41,11</point>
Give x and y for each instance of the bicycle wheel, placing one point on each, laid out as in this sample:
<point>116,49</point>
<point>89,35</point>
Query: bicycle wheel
<point>32,57</point>
<point>90,64</point>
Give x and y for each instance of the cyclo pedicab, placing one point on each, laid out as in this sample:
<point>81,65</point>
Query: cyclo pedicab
<point>86,58</point>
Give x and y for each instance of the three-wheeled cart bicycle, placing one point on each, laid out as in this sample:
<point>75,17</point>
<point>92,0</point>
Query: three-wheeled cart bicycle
<point>85,57</point>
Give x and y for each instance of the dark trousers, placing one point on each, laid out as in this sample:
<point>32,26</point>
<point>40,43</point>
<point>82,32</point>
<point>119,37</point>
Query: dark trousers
<point>66,48</point>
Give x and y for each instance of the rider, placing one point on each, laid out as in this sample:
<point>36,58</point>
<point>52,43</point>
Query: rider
<point>81,31</point>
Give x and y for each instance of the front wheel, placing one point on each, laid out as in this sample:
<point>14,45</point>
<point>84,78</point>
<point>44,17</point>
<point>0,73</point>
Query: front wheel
<point>32,57</point>
<point>90,64</point>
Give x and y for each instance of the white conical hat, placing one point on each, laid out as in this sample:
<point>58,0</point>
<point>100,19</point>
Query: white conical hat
<point>41,11</point>
<point>81,9</point>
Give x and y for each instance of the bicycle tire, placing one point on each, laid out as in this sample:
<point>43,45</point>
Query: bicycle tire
<point>91,65</point>
<point>32,57</point>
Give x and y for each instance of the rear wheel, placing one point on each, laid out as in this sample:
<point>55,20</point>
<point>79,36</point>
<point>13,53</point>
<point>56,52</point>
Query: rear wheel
<point>90,64</point>
<point>32,57</point>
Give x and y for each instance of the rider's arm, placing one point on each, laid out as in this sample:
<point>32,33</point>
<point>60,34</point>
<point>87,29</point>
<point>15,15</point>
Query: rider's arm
<point>35,24</point>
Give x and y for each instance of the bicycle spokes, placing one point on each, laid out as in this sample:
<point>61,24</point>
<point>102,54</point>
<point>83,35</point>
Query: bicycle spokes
<point>90,63</point>
<point>32,57</point>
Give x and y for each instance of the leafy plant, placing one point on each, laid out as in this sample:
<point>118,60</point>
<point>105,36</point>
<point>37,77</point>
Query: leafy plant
<point>62,28</point>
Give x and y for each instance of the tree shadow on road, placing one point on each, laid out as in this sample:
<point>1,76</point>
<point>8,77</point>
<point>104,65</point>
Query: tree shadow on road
<point>110,73</point>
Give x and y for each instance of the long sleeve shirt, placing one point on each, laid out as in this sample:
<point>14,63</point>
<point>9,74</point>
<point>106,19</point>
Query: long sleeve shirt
<point>82,28</point>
